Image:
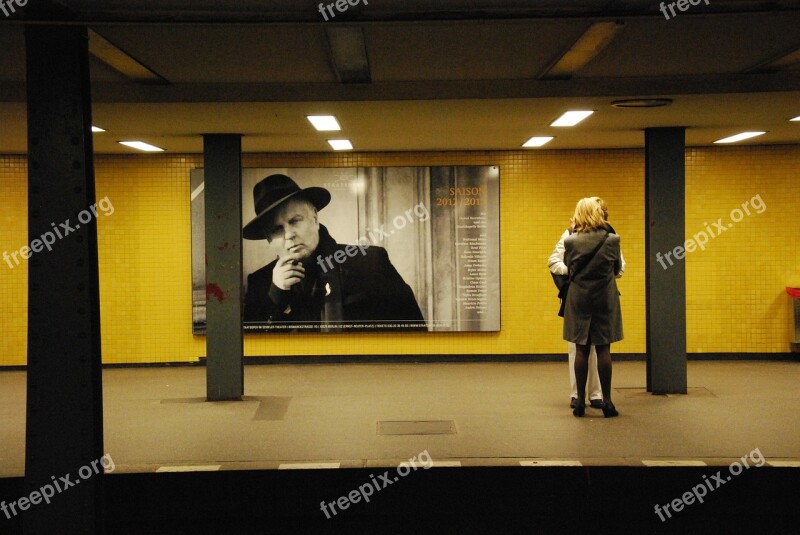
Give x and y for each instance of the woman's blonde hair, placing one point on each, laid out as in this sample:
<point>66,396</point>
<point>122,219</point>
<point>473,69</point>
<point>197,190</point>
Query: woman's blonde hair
<point>589,215</point>
<point>603,206</point>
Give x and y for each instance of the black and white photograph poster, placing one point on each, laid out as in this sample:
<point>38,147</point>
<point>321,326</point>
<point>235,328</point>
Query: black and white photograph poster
<point>363,249</point>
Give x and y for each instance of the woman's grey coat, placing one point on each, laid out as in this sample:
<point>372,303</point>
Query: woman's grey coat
<point>592,314</point>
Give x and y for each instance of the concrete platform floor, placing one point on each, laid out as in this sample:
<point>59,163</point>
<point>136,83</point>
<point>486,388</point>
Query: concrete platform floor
<point>297,416</point>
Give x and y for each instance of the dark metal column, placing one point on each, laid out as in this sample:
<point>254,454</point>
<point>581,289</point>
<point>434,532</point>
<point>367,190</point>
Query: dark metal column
<point>223,194</point>
<point>65,407</point>
<point>665,275</point>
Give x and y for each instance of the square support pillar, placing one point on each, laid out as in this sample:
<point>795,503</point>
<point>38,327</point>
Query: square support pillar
<point>64,432</point>
<point>223,206</point>
<point>665,276</point>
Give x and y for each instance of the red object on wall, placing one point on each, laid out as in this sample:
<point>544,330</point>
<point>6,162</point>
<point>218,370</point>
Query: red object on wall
<point>794,292</point>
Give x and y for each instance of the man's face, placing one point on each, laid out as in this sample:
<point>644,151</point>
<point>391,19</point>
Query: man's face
<point>295,229</point>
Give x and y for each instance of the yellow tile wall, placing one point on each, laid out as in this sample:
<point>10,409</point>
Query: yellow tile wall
<point>13,281</point>
<point>735,287</point>
<point>538,192</point>
<point>736,299</point>
<point>144,251</point>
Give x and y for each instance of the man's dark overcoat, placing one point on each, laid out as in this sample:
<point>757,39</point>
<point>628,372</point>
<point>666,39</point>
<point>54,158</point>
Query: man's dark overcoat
<point>364,289</point>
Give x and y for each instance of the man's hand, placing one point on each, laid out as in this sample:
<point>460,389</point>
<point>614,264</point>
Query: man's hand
<point>287,273</point>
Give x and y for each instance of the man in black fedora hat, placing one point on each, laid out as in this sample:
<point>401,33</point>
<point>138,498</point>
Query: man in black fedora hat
<point>365,292</point>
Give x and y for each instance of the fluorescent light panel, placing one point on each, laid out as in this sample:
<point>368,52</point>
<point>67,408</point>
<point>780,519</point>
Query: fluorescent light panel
<point>571,118</point>
<point>324,123</point>
<point>538,141</point>
<point>141,145</point>
<point>340,144</point>
<point>739,137</point>
<point>97,129</point>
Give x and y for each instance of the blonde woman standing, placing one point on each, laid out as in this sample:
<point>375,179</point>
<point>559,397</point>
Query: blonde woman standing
<point>592,316</point>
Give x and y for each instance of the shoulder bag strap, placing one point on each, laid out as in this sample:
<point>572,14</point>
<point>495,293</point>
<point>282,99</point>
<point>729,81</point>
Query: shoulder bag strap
<point>588,258</point>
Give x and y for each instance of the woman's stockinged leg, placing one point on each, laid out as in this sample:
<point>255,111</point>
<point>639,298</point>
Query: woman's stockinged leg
<point>581,372</point>
<point>604,371</point>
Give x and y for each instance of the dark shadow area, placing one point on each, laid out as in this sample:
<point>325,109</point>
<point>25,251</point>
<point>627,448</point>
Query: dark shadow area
<point>466,500</point>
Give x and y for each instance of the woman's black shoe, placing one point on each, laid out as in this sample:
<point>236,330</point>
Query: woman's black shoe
<point>609,410</point>
<point>580,409</point>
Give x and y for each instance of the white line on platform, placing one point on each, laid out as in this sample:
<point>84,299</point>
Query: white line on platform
<point>673,463</point>
<point>446,464</point>
<point>551,462</point>
<point>308,466</point>
<point>191,468</point>
<point>784,464</point>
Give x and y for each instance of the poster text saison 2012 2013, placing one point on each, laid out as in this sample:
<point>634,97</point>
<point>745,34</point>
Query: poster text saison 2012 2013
<point>399,249</point>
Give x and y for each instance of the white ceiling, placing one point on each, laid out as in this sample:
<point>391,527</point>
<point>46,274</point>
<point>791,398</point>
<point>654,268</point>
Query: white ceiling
<point>446,75</point>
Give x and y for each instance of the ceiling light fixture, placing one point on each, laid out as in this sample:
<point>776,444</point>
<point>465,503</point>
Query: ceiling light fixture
<point>348,52</point>
<point>642,102</point>
<point>571,118</point>
<point>588,46</point>
<point>782,62</point>
<point>324,123</point>
<point>141,145</point>
<point>340,144</point>
<point>97,129</point>
<point>796,119</point>
<point>538,141</point>
<point>739,137</point>
<point>121,61</point>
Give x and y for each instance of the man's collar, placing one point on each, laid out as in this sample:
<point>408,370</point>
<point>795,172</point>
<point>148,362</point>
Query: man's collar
<point>326,246</point>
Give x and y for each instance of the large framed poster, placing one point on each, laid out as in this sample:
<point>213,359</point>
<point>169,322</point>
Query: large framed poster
<point>363,249</point>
